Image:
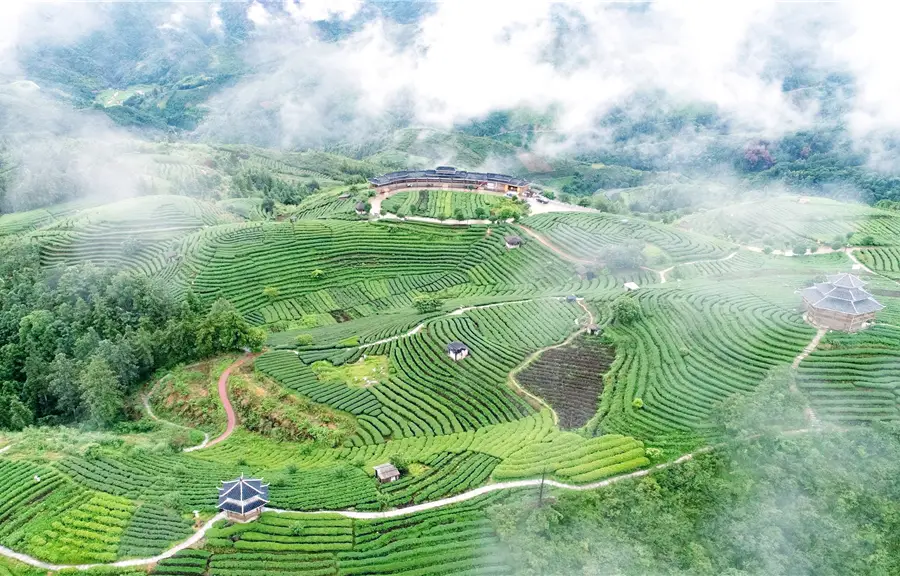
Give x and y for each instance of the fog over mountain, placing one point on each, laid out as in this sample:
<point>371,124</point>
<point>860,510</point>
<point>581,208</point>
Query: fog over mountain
<point>691,86</point>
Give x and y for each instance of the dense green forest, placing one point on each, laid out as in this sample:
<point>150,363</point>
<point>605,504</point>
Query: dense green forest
<point>823,504</point>
<point>78,339</point>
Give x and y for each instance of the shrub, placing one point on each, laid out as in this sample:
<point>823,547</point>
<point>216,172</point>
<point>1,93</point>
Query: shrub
<point>637,403</point>
<point>626,310</point>
<point>426,303</point>
<point>304,339</point>
<point>401,462</point>
<point>271,292</point>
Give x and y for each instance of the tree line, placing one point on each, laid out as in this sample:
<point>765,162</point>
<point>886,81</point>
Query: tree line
<point>78,339</point>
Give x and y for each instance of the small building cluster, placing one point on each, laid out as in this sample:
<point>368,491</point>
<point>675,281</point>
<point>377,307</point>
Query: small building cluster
<point>457,350</point>
<point>840,303</point>
<point>243,499</point>
<point>449,177</point>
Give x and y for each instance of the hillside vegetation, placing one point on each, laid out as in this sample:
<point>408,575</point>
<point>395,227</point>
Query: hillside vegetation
<point>103,304</point>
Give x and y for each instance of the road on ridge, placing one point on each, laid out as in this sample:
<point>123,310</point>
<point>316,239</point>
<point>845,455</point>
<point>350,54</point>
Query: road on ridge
<point>226,403</point>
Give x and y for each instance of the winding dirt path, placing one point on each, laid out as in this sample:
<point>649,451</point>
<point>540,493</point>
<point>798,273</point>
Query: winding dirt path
<point>226,402</point>
<point>561,253</point>
<point>149,410</point>
<point>521,390</point>
<point>810,414</point>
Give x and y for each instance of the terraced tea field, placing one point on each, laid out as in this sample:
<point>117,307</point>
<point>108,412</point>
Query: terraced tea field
<point>342,299</point>
<point>780,222</point>
<point>585,235</point>
<point>444,204</point>
<point>676,360</point>
<point>570,379</point>
<point>854,378</point>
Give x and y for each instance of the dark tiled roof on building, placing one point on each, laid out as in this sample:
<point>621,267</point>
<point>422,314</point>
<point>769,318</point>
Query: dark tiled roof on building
<point>446,174</point>
<point>243,495</point>
<point>456,347</point>
<point>361,206</point>
<point>842,293</point>
<point>513,240</point>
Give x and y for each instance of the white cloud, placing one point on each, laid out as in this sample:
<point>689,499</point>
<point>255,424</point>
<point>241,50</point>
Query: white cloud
<point>312,10</point>
<point>465,59</point>
<point>257,14</point>
<point>215,21</point>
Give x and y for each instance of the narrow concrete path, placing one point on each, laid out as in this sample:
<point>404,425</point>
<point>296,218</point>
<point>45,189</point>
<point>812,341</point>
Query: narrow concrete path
<point>561,253</point>
<point>419,327</point>
<point>195,538</point>
<point>662,273</point>
<point>5,449</point>
<point>855,260</point>
<point>512,485</point>
<point>226,402</point>
<point>810,414</point>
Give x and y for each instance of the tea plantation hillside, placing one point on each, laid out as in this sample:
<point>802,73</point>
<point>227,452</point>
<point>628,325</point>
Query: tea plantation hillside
<point>781,222</point>
<point>567,377</point>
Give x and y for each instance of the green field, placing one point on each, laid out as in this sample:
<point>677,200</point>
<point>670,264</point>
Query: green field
<point>444,204</point>
<point>348,345</point>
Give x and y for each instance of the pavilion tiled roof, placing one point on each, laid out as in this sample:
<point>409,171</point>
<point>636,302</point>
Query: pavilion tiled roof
<point>243,495</point>
<point>842,293</point>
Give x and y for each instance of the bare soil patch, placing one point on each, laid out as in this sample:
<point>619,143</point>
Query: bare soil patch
<point>570,379</point>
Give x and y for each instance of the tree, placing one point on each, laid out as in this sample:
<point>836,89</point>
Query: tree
<point>401,462</point>
<point>799,249</point>
<point>268,205</point>
<point>224,329</point>
<point>63,383</point>
<point>271,292</point>
<point>101,392</point>
<point>626,256</point>
<point>458,214</point>
<point>626,310</point>
<point>317,273</point>
<point>14,415</point>
<point>480,213</point>
<point>425,303</point>
<point>304,339</point>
